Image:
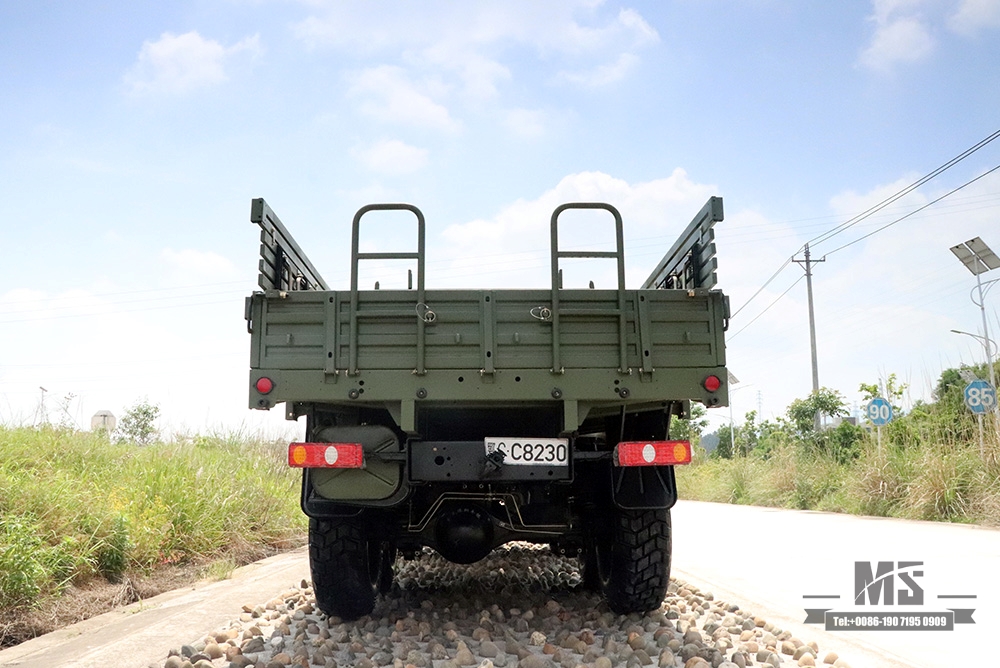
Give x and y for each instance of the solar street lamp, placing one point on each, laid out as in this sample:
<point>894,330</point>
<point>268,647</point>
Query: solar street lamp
<point>979,258</point>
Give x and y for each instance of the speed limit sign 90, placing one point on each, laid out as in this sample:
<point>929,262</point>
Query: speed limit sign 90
<point>879,411</point>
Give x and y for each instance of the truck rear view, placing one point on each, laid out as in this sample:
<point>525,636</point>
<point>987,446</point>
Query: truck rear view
<point>461,420</point>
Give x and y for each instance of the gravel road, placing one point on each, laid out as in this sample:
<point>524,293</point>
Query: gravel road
<point>521,607</point>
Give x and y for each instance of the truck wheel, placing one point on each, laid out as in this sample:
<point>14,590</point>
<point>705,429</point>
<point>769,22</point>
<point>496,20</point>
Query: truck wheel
<point>347,569</point>
<point>633,560</point>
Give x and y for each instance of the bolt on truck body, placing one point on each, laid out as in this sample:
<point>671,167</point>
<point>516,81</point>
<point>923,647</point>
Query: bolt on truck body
<point>461,420</point>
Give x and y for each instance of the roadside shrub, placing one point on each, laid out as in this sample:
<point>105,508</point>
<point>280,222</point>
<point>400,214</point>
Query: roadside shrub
<point>816,478</point>
<point>945,482</point>
<point>742,475</point>
<point>879,481</point>
<point>22,566</point>
<point>113,550</point>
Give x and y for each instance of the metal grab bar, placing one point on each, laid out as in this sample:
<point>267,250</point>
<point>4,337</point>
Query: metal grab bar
<point>357,256</point>
<point>618,254</point>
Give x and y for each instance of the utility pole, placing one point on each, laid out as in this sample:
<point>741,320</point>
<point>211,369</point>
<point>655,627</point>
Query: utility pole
<point>42,414</point>
<point>808,262</point>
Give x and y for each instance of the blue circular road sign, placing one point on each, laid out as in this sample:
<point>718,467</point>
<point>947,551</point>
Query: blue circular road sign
<point>980,397</point>
<point>879,411</point>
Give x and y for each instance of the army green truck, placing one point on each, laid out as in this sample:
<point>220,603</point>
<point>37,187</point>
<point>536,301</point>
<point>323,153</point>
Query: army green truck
<point>462,419</point>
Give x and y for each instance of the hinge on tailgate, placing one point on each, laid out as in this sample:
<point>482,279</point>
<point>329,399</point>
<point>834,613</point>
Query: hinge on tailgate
<point>248,312</point>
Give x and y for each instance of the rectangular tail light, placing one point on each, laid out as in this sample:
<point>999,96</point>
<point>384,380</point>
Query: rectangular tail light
<point>326,456</point>
<point>652,453</point>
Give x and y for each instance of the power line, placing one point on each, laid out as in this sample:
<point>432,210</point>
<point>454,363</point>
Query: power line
<point>918,210</point>
<point>881,205</point>
<point>872,233</point>
<point>777,299</point>
<point>762,288</point>
<point>905,191</point>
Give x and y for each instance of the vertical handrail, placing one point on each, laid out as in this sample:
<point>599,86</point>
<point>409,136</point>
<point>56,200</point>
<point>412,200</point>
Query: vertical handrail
<point>357,256</point>
<point>618,254</point>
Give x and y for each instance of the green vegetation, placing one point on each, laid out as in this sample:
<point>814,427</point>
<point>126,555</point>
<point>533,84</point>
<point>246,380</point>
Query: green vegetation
<point>75,506</point>
<point>926,465</point>
<point>138,425</point>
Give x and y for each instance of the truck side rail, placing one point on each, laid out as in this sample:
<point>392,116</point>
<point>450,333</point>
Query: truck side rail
<point>691,262</point>
<point>283,266</point>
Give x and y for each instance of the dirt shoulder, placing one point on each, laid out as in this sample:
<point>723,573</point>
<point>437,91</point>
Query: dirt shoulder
<point>144,632</point>
<point>98,596</point>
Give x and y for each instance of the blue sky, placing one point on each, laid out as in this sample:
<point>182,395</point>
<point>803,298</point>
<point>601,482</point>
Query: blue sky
<point>133,136</point>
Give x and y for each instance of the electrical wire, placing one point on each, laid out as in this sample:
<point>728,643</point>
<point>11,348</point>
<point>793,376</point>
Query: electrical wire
<point>915,211</point>
<point>878,207</point>
<point>776,300</point>
<point>763,287</point>
<point>843,227</point>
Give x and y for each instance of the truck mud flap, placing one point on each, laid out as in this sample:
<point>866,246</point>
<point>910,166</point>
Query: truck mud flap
<point>381,483</point>
<point>643,487</point>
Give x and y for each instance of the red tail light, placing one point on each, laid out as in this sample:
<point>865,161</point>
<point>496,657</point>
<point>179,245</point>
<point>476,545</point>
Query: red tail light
<point>652,453</point>
<point>712,383</point>
<point>326,456</point>
<point>264,385</point>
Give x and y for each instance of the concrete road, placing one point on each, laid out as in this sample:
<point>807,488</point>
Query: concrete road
<point>144,632</point>
<point>763,559</point>
<point>766,560</point>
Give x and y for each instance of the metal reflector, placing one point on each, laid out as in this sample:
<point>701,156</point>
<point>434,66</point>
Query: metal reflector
<point>652,453</point>
<point>326,456</point>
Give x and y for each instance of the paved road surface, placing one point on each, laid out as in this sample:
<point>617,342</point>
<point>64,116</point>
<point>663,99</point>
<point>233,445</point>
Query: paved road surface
<point>766,559</point>
<point>763,559</point>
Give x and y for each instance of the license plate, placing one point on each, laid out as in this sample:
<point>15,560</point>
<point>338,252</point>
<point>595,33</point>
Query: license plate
<point>530,451</point>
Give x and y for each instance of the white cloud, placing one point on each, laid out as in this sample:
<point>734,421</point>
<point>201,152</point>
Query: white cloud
<point>479,75</point>
<point>466,41</point>
<point>181,63</point>
<point>975,15</point>
<point>525,123</point>
<point>391,156</point>
<point>884,10</point>
<point>898,40</point>
<point>603,75</point>
<point>512,246</point>
<point>642,32</point>
<point>849,203</point>
<point>388,95</point>
<point>565,27</point>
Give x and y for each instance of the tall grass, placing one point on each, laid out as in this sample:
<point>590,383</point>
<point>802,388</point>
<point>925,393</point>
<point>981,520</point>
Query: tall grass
<point>939,480</point>
<point>74,506</point>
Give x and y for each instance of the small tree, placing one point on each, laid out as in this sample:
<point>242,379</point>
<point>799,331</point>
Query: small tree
<point>138,424</point>
<point>892,389</point>
<point>802,412</point>
<point>724,450</point>
<point>691,428</point>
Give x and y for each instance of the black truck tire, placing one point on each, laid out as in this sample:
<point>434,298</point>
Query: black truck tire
<point>633,560</point>
<point>348,569</point>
